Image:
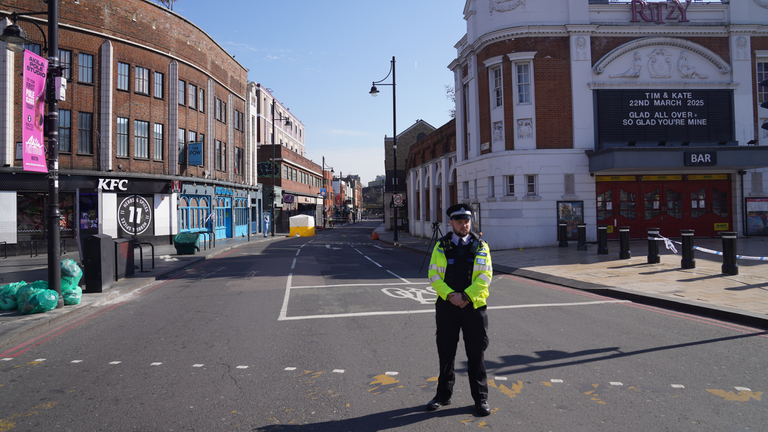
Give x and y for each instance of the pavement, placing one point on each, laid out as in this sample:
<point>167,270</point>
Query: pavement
<point>704,290</point>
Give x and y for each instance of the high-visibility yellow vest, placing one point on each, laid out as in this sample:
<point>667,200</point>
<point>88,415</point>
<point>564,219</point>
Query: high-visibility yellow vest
<point>482,272</point>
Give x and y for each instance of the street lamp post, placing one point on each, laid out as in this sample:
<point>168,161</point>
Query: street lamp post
<point>287,122</point>
<point>374,92</point>
<point>15,37</point>
<point>325,186</point>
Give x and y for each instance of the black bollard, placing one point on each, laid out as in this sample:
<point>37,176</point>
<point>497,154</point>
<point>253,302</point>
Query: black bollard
<point>582,245</point>
<point>562,233</point>
<point>602,239</point>
<point>729,254</point>
<point>653,246</point>
<point>624,252</point>
<point>687,262</point>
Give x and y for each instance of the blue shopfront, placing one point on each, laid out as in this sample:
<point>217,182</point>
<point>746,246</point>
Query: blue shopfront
<point>220,210</point>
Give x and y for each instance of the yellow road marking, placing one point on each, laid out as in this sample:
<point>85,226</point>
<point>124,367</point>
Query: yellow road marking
<point>511,392</point>
<point>8,423</point>
<point>743,396</point>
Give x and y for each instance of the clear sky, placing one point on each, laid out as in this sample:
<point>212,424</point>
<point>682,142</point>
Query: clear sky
<point>319,57</point>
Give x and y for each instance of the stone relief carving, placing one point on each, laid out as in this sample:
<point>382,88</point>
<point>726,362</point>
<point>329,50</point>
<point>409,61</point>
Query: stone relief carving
<point>686,70</point>
<point>634,71</point>
<point>742,53</point>
<point>762,3</point>
<point>660,65</point>
<point>525,128</point>
<point>498,131</point>
<point>654,43</point>
<point>581,48</point>
<point>504,5</point>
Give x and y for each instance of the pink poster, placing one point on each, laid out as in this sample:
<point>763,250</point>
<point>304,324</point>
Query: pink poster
<point>33,112</point>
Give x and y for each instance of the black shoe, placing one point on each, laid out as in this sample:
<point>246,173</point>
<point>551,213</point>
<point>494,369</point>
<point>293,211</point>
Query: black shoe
<point>437,403</point>
<point>483,408</point>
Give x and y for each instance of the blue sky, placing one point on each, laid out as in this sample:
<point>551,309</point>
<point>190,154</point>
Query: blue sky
<point>320,57</point>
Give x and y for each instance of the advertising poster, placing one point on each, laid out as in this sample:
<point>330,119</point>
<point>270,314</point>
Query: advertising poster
<point>134,215</point>
<point>33,112</point>
<point>572,213</point>
<point>757,216</point>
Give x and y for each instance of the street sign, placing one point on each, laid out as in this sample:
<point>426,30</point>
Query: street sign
<point>398,198</point>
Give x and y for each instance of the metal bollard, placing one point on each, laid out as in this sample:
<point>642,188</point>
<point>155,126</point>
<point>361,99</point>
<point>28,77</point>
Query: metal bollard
<point>624,252</point>
<point>562,234</point>
<point>582,245</point>
<point>729,253</point>
<point>653,246</point>
<point>602,239</point>
<point>687,262</point>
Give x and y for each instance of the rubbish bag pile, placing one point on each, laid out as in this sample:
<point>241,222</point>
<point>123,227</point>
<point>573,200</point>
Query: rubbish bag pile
<point>36,297</point>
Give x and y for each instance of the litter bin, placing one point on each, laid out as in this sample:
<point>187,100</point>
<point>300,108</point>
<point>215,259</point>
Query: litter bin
<point>187,243</point>
<point>123,258</point>
<point>99,263</point>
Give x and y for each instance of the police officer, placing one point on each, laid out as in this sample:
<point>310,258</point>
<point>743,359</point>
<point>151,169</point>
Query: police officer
<point>460,272</point>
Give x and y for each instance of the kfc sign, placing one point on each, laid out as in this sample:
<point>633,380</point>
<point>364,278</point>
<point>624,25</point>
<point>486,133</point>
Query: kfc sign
<point>654,11</point>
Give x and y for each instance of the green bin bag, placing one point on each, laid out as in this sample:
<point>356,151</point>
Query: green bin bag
<point>70,275</point>
<point>27,290</point>
<point>42,301</point>
<point>8,295</point>
<point>72,297</point>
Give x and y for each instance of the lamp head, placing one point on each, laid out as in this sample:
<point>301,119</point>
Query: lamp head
<point>15,37</point>
<point>374,91</point>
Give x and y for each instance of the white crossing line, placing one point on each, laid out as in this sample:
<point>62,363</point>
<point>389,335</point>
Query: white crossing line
<point>198,365</point>
<point>290,368</point>
<point>615,383</point>
<point>7,359</point>
<point>404,280</point>
<point>294,264</point>
<point>114,362</point>
<point>742,389</point>
<point>76,361</point>
<point>500,378</point>
<point>373,261</point>
<point>354,285</point>
<point>156,364</point>
<point>39,360</point>
<point>558,381</point>
<point>242,367</point>
<point>678,386</point>
<point>391,373</point>
<point>340,371</point>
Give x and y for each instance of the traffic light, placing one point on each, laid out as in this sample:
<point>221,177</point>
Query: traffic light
<point>764,85</point>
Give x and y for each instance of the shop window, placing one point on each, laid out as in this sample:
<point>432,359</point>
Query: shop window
<point>720,203</point>
<point>31,220</point>
<point>627,204</point>
<point>652,204</point>
<point>605,205</point>
<point>674,204</point>
<point>89,211</point>
<point>698,203</point>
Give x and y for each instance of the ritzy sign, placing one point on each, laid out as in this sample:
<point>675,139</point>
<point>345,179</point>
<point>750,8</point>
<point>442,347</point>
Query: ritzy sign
<point>654,11</point>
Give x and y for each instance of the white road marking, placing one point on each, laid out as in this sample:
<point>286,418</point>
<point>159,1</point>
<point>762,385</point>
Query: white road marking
<point>284,309</point>
<point>242,367</point>
<point>351,285</point>
<point>39,360</point>
<point>294,264</point>
<point>290,368</point>
<point>391,373</point>
<point>377,246</point>
<point>404,280</point>
<point>198,365</point>
<point>559,304</point>
<point>297,252</point>
<point>500,378</point>
<point>77,361</point>
<point>615,383</point>
<point>338,371</point>
<point>114,362</point>
<point>678,386</point>
<point>742,389</point>
<point>156,364</point>
<point>557,381</point>
<point>373,261</point>
<point>7,359</point>
<point>358,252</point>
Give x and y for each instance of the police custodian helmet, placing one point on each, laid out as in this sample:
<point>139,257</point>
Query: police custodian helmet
<point>459,211</point>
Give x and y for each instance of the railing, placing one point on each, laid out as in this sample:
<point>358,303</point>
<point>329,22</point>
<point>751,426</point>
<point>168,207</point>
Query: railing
<point>141,255</point>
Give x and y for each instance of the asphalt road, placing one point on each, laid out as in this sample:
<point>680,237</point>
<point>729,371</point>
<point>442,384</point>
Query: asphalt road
<point>336,333</point>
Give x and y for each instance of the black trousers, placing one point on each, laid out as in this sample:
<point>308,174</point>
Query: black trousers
<point>473,324</point>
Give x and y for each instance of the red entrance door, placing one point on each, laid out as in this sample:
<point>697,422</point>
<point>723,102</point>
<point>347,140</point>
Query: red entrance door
<point>617,204</point>
<point>711,202</point>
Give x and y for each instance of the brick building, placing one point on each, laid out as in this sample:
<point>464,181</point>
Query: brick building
<point>640,114</point>
<point>153,119</point>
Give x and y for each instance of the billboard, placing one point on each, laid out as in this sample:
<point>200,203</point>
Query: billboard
<point>33,112</point>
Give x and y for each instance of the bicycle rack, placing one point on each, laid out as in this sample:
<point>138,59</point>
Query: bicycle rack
<point>141,255</point>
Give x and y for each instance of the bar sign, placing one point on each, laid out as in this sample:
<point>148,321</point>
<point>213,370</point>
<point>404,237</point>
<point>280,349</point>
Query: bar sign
<point>700,158</point>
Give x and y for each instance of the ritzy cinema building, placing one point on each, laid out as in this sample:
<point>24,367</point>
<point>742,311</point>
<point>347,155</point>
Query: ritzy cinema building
<point>621,113</point>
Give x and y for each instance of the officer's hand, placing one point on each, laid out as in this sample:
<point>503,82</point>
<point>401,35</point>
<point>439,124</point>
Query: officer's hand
<point>456,299</point>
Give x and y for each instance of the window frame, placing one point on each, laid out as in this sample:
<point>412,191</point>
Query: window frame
<point>123,76</point>
<point>121,144</point>
<point>498,86</point>
<point>182,146</point>
<point>141,139</point>
<point>192,99</point>
<point>141,80</point>
<point>85,69</point>
<point>158,155</point>
<point>159,83</point>
<point>182,92</point>
<point>523,86</point>
<point>531,185</point>
<point>509,185</point>
<point>65,124</point>
<point>66,64</point>
<point>201,99</point>
<point>86,133</point>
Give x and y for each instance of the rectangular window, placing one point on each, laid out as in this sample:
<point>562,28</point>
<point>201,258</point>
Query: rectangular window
<point>510,182</point>
<point>85,132</point>
<point>218,109</point>
<point>224,156</point>
<point>238,120</point>
<point>141,139</point>
<point>530,182</point>
<point>85,68</point>
<point>158,141</point>
<point>192,136</point>
<point>218,155</point>
<point>238,160</point>
<point>465,190</point>
<point>182,146</point>
<point>762,74</point>
<point>523,83</point>
<point>223,112</point>
<point>201,137</point>
<point>122,137</point>
<point>142,80</point>
<point>35,48</point>
<point>193,96</point>
<point>201,101</point>
<point>496,72</point>
<point>158,85</point>
<point>65,58</point>
<point>182,93</point>
<point>122,75</point>
<point>65,125</point>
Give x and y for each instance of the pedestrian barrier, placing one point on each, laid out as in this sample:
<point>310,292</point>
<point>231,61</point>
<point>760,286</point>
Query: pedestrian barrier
<point>670,245</point>
<point>729,267</point>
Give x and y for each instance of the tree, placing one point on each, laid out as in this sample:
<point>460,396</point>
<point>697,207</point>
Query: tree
<point>167,3</point>
<point>450,94</point>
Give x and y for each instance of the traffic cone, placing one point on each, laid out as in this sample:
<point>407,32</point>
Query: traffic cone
<point>375,236</point>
